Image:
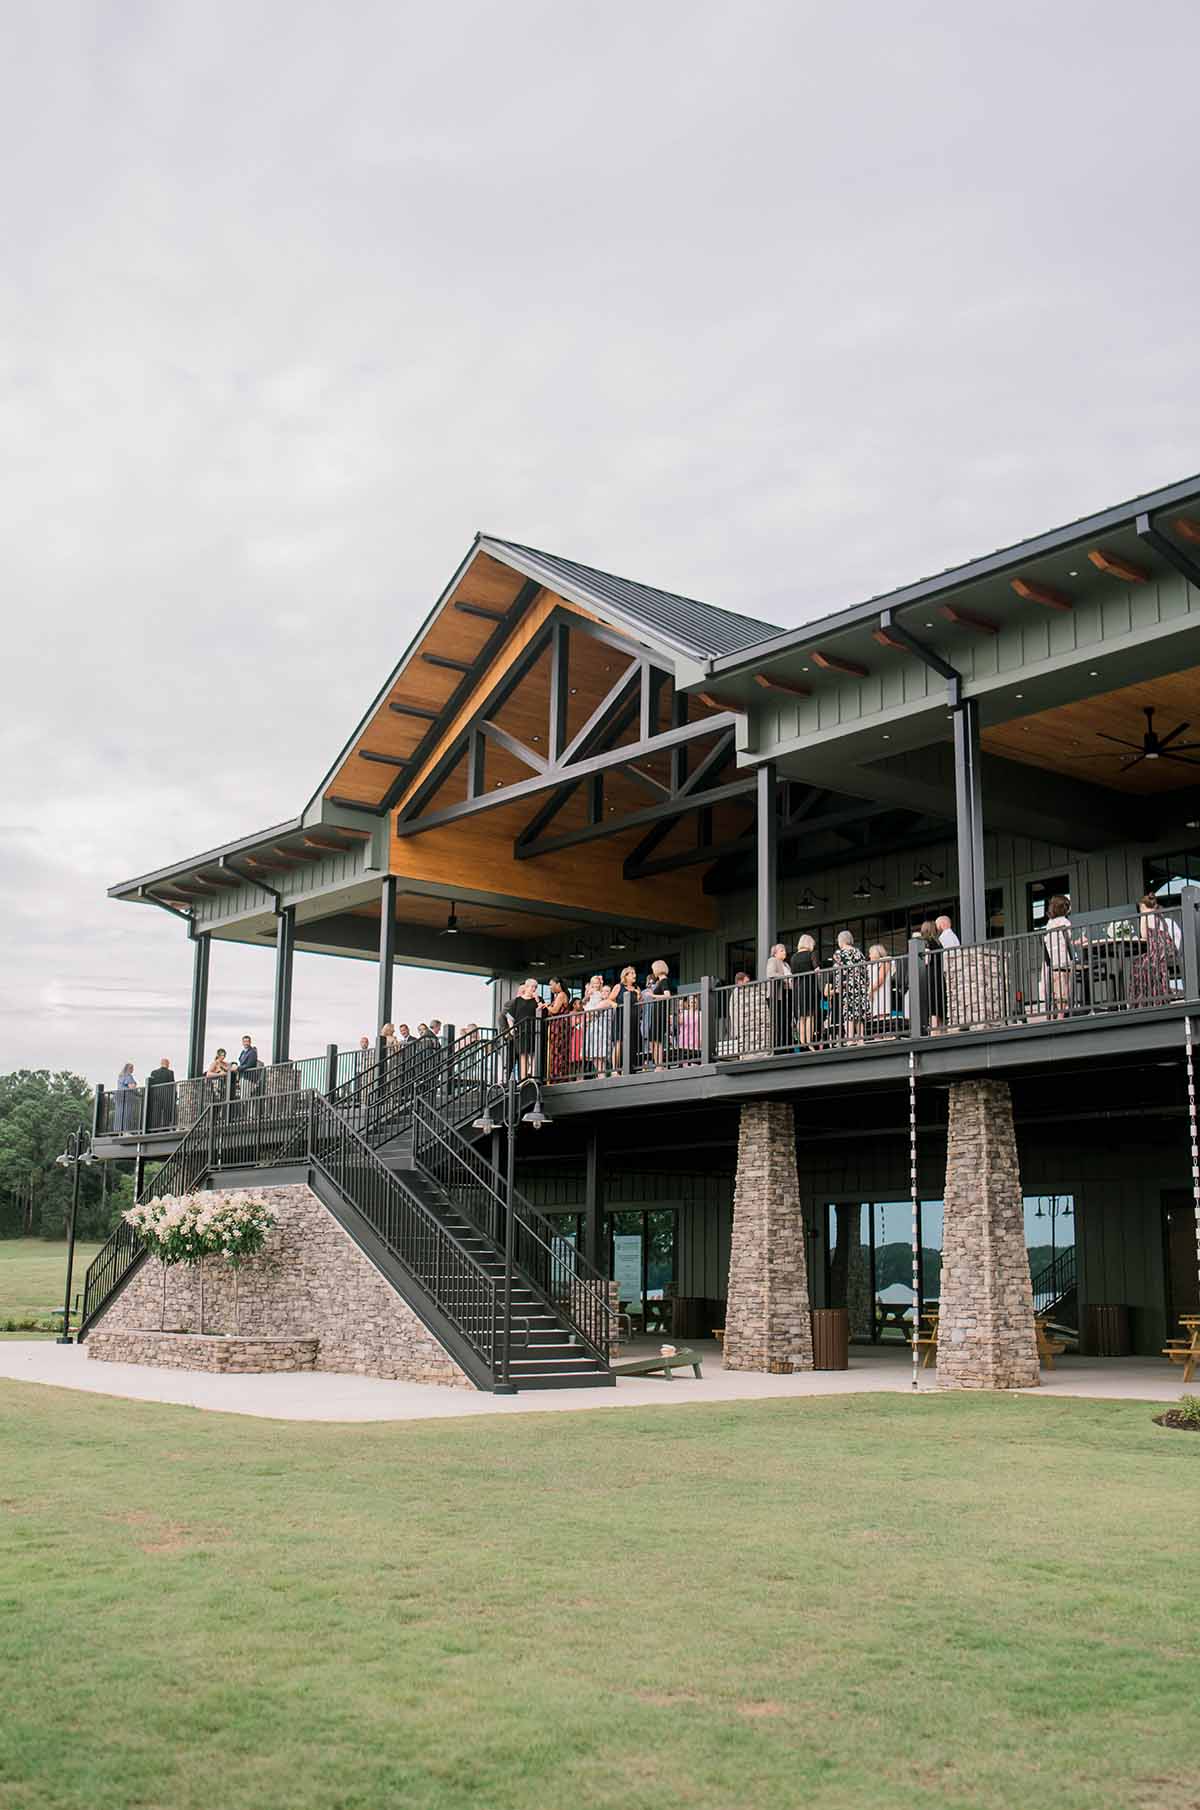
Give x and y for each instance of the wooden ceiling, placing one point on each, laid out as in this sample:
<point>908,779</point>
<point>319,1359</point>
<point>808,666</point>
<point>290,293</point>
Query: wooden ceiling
<point>1069,740</point>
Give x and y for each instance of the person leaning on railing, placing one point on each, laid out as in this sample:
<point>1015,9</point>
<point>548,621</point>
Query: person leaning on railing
<point>779,977</point>
<point>806,992</point>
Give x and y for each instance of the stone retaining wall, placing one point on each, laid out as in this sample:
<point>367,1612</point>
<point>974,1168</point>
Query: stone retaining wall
<point>188,1351</point>
<point>311,1281</point>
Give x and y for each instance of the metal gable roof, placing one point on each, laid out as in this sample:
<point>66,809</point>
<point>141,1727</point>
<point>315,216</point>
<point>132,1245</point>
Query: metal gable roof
<point>700,630</point>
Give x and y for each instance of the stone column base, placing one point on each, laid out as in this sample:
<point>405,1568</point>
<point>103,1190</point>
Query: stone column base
<point>986,1337</point>
<point>768,1323</point>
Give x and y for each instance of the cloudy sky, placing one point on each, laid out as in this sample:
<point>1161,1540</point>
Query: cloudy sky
<point>774,303</point>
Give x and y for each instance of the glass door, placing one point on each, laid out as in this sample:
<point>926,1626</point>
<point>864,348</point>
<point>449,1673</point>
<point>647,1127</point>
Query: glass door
<point>642,1264</point>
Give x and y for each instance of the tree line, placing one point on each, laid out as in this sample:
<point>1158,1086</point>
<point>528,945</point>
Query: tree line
<point>39,1110</point>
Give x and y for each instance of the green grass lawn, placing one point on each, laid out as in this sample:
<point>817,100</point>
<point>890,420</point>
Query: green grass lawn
<point>966,1601</point>
<point>33,1273</point>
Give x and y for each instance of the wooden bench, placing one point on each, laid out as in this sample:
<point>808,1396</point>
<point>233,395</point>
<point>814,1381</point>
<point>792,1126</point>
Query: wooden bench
<point>1185,1351</point>
<point>683,1359</point>
<point>1048,1348</point>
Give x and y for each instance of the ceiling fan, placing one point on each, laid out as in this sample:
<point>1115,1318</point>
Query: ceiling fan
<point>1151,747</point>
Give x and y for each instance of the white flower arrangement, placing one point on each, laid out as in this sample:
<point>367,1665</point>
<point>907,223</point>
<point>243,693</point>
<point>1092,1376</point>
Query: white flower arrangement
<point>1120,931</point>
<point>187,1228</point>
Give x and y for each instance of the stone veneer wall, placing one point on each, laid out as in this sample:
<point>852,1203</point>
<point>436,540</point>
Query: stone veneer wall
<point>188,1351</point>
<point>311,1281</point>
<point>768,1320</point>
<point>986,1337</point>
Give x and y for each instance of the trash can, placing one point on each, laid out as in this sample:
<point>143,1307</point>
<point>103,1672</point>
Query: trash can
<point>831,1338</point>
<point>1108,1329</point>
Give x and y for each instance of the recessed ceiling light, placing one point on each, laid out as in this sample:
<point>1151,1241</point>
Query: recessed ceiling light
<point>1094,673</point>
<point>887,738</point>
<point>804,669</point>
<point>1072,575</point>
<point>1020,694</point>
<point>929,625</point>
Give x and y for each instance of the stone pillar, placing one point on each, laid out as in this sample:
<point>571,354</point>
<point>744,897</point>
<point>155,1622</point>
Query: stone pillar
<point>986,1337</point>
<point>768,1323</point>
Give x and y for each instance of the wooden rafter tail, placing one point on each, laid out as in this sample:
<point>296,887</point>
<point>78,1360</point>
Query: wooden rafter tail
<point>835,663</point>
<point>715,701</point>
<point>225,880</point>
<point>328,847</point>
<point>886,638</point>
<point>1115,567</point>
<point>1046,594</point>
<point>265,867</point>
<point>784,685</point>
<point>983,625</point>
<point>1187,529</point>
<point>289,854</point>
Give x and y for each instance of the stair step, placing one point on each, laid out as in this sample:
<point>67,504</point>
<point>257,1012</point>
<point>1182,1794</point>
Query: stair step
<point>592,1379</point>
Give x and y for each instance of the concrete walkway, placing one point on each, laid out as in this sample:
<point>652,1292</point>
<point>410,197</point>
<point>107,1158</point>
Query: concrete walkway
<point>321,1396</point>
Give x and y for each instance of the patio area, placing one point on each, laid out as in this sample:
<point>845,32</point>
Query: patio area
<point>322,1396</point>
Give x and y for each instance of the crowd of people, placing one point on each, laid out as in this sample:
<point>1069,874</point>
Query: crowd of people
<point>804,1006</point>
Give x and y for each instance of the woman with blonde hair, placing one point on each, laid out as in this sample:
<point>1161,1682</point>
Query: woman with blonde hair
<point>806,992</point>
<point>881,983</point>
<point>598,1028</point>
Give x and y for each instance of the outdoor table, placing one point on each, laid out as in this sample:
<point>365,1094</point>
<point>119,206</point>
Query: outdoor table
<point>893,1313</point>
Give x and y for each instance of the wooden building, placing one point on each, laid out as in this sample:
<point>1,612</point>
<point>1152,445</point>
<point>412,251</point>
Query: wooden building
<point>568,772</point>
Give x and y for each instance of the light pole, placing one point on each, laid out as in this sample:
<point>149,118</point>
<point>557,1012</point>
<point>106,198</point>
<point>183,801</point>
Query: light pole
<point>1054,1212</point>
<point>510,1095</point>
<point>77,1154</point>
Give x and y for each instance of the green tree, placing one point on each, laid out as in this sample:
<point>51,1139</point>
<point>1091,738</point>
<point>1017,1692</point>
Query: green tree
<point>38,1112</point>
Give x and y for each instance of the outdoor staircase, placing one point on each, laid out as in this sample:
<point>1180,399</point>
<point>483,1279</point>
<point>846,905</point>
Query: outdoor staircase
<point>434,1219</point>
<point>1056,1289</point>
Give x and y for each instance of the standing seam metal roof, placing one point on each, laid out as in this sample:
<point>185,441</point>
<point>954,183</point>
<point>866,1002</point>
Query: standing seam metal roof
<point>699,628</point>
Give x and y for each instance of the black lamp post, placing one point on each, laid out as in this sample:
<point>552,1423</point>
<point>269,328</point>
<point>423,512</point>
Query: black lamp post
<point>509,1097</point>
<point>77,1153</point>
<point>1056,1210</point>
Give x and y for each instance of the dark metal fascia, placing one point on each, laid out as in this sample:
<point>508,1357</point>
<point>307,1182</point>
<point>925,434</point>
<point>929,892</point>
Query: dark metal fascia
<point>1057,540</point>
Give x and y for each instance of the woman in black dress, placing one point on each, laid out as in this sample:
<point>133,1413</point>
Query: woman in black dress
<point>522,1015</point>
<point>806,993</point>
<point>933,977</point>
<point>627,985</point>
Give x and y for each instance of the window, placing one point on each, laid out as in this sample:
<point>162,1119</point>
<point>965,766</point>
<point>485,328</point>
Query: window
<point>1167,875</point>
<point>1038,895</point>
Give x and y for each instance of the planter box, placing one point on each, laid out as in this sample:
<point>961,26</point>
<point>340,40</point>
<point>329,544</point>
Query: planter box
<point>224,1355</point>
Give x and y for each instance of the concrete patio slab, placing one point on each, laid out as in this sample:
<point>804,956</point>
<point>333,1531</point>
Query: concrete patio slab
<point>321,1396</point>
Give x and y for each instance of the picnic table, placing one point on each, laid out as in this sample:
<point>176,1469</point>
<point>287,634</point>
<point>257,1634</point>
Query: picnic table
<point>1050,1340</point>
<point>1185,1350</point>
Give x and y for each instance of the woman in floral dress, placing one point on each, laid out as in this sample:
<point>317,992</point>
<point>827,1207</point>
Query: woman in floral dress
<point>851,982</point>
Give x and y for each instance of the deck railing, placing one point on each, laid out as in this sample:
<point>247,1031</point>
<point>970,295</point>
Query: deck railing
<point>1104,964</point>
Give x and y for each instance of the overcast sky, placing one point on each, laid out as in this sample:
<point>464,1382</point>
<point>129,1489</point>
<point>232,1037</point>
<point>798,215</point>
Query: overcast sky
<point>775,304</point>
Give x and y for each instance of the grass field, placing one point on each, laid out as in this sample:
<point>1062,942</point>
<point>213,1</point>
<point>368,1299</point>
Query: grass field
<point>837,1602</point>
<point>32,1274</point>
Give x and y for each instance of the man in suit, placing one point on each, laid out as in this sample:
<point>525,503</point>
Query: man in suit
<point>161,1105</point>
<point>247,1062</point>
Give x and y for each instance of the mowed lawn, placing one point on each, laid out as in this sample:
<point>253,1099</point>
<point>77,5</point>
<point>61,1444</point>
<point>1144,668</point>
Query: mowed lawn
<point>33,1274</point>
<point>952,1601</point>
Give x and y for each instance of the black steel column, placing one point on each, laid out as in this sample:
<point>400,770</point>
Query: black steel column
<point>767,840</point>
<point>968,814</point>
<point>387,949</point>
<point>198,1021</point>
<point>593,1206</point>
<point>285,948</point>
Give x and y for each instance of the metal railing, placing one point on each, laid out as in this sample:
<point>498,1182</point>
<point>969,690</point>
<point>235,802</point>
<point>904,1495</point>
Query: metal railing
<point>555,1267</point>
<point>182,1171</point>
<point>303,1127</point>
<point>854,1001</point>
<point>1052,1284</point>
<point>1063,972</point>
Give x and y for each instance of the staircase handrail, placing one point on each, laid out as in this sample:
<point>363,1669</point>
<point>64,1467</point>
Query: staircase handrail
<point>566,1279</point>
<point>1053,1281</point>
<point>183,1169</point>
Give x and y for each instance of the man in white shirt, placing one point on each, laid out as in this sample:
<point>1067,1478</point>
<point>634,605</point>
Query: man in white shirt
<point>946,934</point>
<point>952,978</point>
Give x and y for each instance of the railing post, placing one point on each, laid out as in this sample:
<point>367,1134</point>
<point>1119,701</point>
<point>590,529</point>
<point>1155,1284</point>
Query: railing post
<point>707,1039</point>
<point>916,1012</point>
<point>1189,924</point>
<point>98,1109</point>
<point>212,1136</point>
<point>331,1065</point>
<point>627,1033</point>
<point>145,1124</point>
